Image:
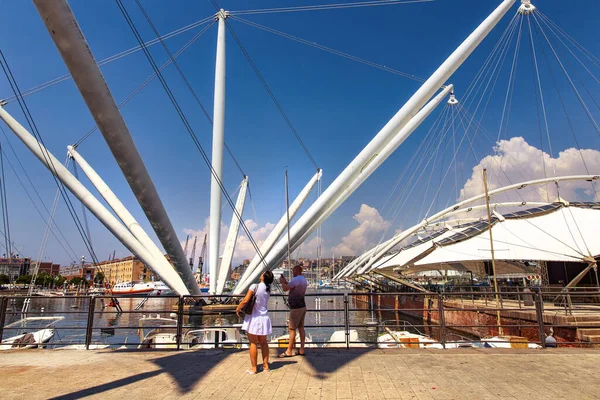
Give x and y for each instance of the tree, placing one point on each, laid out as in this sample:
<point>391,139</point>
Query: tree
<point>78,281</point>
<point>59,280</point>
<point>24,279</point>
<point>99,278</point>
<point>4,279</point>
<point>44,279</point>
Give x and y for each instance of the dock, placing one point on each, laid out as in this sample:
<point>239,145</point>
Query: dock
<point>562,373</point>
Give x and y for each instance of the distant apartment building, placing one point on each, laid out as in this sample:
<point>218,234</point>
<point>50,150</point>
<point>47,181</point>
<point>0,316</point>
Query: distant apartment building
<point>48,267</point>
<point>128,269</point>
<point>14,267</point>
<point>87,271</point>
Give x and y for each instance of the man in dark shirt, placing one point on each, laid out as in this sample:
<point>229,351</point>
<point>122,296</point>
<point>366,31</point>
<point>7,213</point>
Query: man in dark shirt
<point>297,288</point>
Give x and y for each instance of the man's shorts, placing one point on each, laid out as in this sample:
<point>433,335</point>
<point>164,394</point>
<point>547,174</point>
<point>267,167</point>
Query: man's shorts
<point>297,317</point>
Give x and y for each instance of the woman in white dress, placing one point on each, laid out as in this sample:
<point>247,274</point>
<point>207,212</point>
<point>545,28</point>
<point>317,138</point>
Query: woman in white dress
<point>258,324</point>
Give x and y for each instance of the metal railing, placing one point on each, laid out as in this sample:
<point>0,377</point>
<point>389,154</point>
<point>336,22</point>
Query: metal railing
<point>446,320</point>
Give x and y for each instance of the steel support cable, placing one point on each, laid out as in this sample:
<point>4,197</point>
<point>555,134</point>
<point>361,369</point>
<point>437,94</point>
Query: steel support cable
<point>148,81</point>
<point>421,150</point>
<point>45,154</point>
<point>329,50</point>
<point>185,79</point>
<point>425,151</point>
<point>595,60</point>
<point>271,95</point>
<point>436,158</point>
<point>495,58</point>
<point>112,58</point>
<point>434,165</point>
<point>562,102</point>
<point>44,242</point>
<point>187,125</point>
<point>511,85</point>
<point>571,83</point>
<point>372,3</point>
<point>35,191</point>
<point>4,201</point>
<point>564,108</point>
<point>501,45</point>
<point>412,183</point>
<point>72,254</point>
<point>509,156</point>
<point>551,29</point>
<point>576,92</point>
<point>576,142</point>
<point>537,109</point>
<point>83,209</point>
<point>476,130</point>
<point>501,63</point>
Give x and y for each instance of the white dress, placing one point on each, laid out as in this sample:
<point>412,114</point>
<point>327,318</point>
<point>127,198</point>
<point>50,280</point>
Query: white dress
<point>259,323</point>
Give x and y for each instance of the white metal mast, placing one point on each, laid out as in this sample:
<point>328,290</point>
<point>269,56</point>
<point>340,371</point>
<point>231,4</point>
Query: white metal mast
<point>277,231</point>
<point>217,154</point>
<point>328,199</point>
<point>77,56</point>
<point>117,206</point>
<point>234,229</point>
<point>169,275</point>
<point>406,131</point>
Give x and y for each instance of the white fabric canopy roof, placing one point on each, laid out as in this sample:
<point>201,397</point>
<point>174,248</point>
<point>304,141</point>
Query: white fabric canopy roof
<point>566,233</point>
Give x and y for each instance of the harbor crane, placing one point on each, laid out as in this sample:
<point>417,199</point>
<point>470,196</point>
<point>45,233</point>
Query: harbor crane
<point>193,255</point>
<point>199,270</point>
<point>185,247</point>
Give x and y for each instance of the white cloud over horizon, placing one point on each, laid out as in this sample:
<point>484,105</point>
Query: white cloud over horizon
<point>515,161</point>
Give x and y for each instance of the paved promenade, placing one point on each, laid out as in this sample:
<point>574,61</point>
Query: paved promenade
<point>323,374</point>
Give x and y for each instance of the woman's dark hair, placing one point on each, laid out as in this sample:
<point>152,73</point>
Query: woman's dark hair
<point>268,279</point>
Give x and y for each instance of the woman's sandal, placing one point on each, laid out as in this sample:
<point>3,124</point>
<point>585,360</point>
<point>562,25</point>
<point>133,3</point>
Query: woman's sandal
<point>285,355</point>
<point>249,372</point>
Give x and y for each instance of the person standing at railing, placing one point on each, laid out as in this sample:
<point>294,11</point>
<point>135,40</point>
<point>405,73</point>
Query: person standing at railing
<point>258,324</point>
<point>297,288</point>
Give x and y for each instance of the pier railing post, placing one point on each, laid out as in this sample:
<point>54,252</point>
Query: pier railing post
<point>179,322</point>
<point>90,322</point>
<point>539,311</point>
<point>3,306</point>
<point>346,320</point>
<point>442,320</point>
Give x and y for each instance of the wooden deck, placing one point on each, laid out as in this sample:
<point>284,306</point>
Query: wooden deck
<point>322,374</point>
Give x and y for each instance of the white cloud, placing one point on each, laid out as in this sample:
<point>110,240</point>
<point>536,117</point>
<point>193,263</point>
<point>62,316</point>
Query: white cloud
<point>370,227</point>
<point>243,248</point>
<point>516,161</point>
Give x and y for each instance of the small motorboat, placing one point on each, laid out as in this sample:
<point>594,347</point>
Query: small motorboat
<point>161,333</point>
<point>338,339</point>
<point>32,332</point>
<point>283,341</point>
<point>507,342</point>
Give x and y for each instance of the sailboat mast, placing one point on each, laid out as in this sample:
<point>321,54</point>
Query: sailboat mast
<point>489,216</point>
<point>287,207</point>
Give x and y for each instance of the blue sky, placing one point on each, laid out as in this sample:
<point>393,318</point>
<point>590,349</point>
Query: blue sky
<point>336,105</point>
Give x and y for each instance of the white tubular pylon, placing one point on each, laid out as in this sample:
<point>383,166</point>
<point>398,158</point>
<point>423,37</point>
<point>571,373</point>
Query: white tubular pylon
<point>218,144</point>
<point>169,276</point>
<point>234,229</point>
<point>117,206</point>
<point>278,229</point>
<point>325,203</point>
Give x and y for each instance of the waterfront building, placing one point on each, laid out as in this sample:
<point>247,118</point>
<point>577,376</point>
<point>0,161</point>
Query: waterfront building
<point>128,269</point>
<point>87,271</point>
<point>14,267</point>
<point>48,267</point>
